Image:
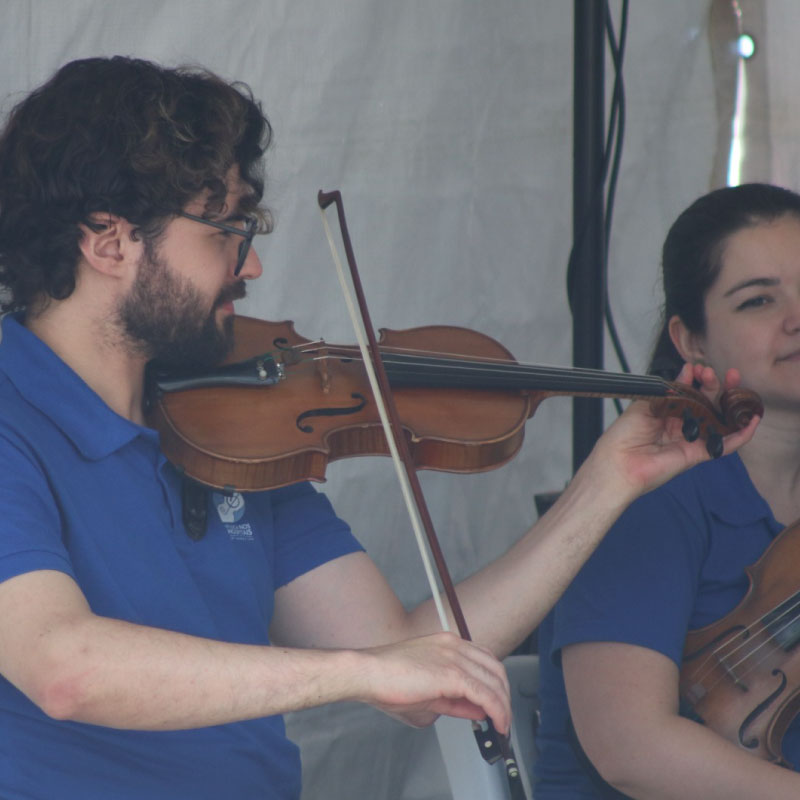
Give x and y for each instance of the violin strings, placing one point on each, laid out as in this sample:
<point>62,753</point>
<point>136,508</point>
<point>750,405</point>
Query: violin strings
<point>753,659</point>
<point>505,377</point>
<point>770,638</point>
<point>753,642</point>
<point>727,648</point>
<point>497,368</point>
<point>428,357</point>
<point>747,635</point>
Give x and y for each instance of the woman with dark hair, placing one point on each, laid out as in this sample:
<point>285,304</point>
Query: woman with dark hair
<point>611,722</point>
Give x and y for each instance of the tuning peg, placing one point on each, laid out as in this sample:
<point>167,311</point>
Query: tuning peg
<point>714,445</point>
<point>691,427</point>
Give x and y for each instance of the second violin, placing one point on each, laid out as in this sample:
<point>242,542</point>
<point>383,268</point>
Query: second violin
<point>741,675</point>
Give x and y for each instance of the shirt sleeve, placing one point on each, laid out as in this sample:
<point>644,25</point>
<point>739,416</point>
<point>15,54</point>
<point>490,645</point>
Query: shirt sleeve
<point>30,523</point>
<point>307,532</point>
<point>639,587</point>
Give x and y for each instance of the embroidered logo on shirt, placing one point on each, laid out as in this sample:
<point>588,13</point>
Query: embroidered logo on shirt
<point>231,510</point>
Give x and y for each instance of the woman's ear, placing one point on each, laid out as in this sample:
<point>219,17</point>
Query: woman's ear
<point>688,344</point>
<point>104,244</point>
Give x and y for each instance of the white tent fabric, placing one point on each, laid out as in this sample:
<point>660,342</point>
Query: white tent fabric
<point>447,126</point>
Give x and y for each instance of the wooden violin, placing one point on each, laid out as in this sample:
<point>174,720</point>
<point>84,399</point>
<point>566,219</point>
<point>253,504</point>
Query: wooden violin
<point>282,407</point>
<point>741,675</point>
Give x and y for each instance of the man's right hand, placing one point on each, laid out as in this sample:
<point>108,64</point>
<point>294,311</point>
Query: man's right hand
<point>419,679</point>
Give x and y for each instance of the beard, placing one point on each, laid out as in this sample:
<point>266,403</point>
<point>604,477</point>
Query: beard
<point>168,320</point>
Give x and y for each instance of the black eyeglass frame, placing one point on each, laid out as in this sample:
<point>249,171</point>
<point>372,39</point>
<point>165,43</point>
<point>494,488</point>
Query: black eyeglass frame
<point>248,232</point>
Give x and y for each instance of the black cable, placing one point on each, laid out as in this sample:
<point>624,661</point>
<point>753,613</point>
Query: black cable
<point>612,156</point>
<point>618,110</point>
<point>616,134</point>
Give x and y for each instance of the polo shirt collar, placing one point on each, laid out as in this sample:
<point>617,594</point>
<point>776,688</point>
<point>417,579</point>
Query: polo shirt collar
<point>48,384</point>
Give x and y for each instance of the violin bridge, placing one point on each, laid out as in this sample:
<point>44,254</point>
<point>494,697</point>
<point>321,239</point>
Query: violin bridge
<point>321,361</point>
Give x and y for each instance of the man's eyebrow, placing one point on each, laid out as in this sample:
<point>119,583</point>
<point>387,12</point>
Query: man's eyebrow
<point>751,282</point>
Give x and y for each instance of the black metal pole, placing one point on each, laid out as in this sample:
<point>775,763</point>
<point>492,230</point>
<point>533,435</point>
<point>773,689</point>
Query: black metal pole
<point>588,269</point>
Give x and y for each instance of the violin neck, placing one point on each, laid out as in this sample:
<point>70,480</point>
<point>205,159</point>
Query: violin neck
<point>415,371</point>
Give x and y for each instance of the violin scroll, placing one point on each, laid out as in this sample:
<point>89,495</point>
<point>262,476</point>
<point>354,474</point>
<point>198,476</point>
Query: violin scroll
<point>739,406</point>
<point>702,420</point>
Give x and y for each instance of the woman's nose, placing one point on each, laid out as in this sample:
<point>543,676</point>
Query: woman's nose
<point>791,321</point>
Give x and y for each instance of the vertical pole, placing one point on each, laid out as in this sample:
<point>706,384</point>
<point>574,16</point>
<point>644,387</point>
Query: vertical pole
<point>588,216</point>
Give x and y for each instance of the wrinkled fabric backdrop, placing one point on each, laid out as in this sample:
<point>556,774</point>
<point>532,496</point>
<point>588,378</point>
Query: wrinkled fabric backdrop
<point>447,125</point>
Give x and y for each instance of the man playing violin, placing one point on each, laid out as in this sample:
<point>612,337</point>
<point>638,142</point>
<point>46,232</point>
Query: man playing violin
<point>137,661</point>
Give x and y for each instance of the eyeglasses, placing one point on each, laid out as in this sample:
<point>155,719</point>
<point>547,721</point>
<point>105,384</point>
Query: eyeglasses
<point>249,230</point>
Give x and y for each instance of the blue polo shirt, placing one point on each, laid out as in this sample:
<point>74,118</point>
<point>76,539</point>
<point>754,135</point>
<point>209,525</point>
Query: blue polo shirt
<point>674,562</point>
<point>87,492</point>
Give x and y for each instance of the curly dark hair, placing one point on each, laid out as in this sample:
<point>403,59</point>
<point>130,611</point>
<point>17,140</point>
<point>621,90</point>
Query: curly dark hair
<point>122,136</point>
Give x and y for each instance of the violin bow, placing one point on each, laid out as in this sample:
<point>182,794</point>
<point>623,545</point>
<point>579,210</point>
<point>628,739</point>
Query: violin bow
<point>492,745</point>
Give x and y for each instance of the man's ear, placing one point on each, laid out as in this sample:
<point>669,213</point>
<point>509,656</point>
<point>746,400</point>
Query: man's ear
<point>688,344</point>
<point>105,245</point>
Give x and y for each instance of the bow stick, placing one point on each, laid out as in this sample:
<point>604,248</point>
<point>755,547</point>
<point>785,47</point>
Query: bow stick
<point>491,744</point>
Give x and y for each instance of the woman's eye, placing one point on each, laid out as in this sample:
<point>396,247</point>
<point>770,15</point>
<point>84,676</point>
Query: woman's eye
<point>754,302</point>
